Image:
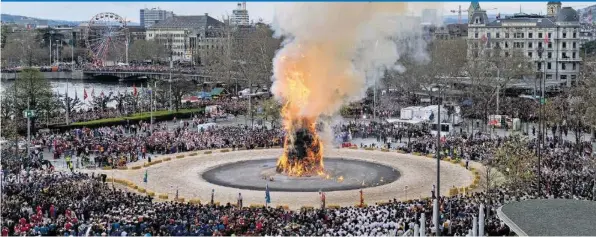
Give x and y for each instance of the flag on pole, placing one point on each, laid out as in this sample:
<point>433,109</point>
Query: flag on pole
<point>267,195</point>
<point>546,38</point>
<point>102,95</point>
<point>134,88</point>
<point>84,94</point>
<point>146,176</point>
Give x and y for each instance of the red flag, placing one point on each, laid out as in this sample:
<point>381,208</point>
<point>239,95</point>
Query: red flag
<point>546,38</point>
<point>102,95</point>
<point>84,94</point>
<point>134,89</point>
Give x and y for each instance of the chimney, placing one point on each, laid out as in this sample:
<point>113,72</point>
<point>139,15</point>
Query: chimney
<point>206,14</point>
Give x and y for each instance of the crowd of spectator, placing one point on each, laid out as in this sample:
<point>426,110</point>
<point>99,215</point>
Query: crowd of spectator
<point>45,202</point>
<point>39,200</point>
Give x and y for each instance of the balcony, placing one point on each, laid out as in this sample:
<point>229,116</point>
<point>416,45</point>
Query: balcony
<point>569,59</point>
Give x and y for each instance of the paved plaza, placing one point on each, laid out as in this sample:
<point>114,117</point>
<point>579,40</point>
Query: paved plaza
<point>185,175</point>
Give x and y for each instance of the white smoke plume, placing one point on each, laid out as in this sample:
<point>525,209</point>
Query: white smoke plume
<point>332,52</point>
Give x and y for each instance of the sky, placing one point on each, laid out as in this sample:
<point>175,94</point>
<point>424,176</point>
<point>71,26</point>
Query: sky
<point>83,11</point>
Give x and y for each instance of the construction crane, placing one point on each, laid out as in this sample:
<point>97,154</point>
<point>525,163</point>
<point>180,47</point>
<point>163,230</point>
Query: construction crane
<point>459,12</point>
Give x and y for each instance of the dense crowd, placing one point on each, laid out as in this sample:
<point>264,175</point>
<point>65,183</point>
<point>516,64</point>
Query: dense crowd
<point>142,68</point>
<point>40,201</point>
<point>64,68</point>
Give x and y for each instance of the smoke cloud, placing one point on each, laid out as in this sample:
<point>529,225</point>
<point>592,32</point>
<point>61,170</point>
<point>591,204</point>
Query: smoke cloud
<point>332,52</point>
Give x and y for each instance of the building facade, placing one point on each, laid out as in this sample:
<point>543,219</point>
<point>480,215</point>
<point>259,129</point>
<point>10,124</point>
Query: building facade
<point>185,35</point>
<point>551,42</point>
<point>240,16</point>
<point>149,17</point>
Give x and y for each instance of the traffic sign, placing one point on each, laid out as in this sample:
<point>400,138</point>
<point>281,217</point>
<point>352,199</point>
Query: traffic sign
<point>543,101</point>
<point>29,113</point>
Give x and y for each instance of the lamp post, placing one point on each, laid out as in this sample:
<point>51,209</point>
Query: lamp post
<point>51,33</point>
<point>438,151</point>
<point>540,124</point>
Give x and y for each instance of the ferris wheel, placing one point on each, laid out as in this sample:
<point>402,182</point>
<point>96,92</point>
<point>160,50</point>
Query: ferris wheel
<point>106,37</point>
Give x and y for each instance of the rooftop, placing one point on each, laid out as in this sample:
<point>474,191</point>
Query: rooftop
<point>550,217</point>
<point>192,22</point>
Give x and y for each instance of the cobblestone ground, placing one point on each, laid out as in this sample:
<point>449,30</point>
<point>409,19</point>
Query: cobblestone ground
<point>184,175</point>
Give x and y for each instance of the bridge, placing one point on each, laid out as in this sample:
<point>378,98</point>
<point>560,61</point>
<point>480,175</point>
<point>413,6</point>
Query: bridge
<point>110,75</point>
<point>132,75</point>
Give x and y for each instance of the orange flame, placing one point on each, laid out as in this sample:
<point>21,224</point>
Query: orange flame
<point>295,101</point>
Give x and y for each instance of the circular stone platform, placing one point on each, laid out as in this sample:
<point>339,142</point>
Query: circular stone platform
<point>186,176</point>
<point>343,174</point>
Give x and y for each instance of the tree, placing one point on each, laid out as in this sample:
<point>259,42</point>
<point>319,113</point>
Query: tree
<point>271,109</point>
<point>30,91</point>
<point>101,101</point>
<point>492,70</point>
<point>24,50</point>
<point>244,53</point>
<point>141,50</point>
<point>180,88</point>
<point>69,104</point>
<point>516,161</point>
<point>588,49</point>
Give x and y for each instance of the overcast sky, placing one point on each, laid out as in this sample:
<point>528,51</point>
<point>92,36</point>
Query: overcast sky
<point>82,11</point>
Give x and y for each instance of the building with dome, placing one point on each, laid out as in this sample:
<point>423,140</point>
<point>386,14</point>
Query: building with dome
<point>551,41</point>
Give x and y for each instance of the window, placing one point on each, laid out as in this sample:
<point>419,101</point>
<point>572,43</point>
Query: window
<point>506,35</point>
<point>573,55</point>
<point>476,35</point>
<point>564,45</point>
<point>488,35</point>
<point>550,55</point>
<point>564,35</point>
<point>506,54</point>
<point>574,45</point>
<point>574,35</point>
<point>518,35</point>
<point>564,55</point>
<point>530,35</point>
<point>550,35</point>
<point>540,35</point>
<point>550,45</point>
<point>549,76</point>
<point>548,66</point>
<point>530,45</point>
<point>563,77</point>
<point>573,77</point>
<point>506,45</point>
<point>573,66</point>
<point>539,66</point>
<point>530,54</point>
<point>498,35</point>
<point>539,44</point>
<point>563,66</point>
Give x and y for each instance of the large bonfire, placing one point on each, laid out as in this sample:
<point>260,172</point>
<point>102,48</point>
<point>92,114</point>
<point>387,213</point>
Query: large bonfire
<point>324,63</point>
<point>303,149</point>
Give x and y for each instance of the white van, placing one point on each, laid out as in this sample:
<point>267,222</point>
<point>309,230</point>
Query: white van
<point>446,129</point>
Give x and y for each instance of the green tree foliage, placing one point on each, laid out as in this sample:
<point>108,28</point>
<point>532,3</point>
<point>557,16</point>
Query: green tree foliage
<point>588,48</point>
<point>32,90</point>
<point>516,161</point>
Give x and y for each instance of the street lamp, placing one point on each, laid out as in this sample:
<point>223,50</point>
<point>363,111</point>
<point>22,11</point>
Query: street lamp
<point>540,124</point>
<point>51,33</point>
